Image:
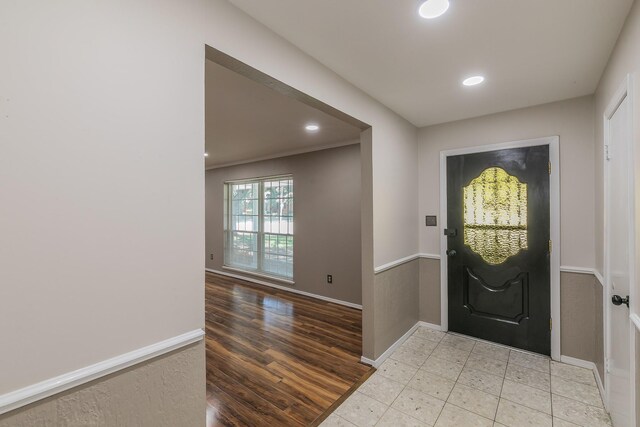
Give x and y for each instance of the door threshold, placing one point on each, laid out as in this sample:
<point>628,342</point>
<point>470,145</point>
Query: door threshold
<point>500,345</point>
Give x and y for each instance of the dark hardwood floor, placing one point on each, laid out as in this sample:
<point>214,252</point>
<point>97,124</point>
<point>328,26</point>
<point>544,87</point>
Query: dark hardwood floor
<point>275,358</point>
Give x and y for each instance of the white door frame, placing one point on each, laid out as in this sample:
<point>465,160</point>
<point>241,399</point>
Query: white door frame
<point>625,91</point>
<point>554,198</point>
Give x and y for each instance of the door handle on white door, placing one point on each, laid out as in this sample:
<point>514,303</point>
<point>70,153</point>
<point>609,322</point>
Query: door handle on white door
<point>618,300</point>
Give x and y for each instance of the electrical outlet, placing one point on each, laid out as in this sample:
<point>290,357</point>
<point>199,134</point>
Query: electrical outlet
<point>329,278</point>
<point>211,257</point>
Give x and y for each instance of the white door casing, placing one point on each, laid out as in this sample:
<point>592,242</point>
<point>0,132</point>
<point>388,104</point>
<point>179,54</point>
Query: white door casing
<point>619,256</point>
<point>554,199</point>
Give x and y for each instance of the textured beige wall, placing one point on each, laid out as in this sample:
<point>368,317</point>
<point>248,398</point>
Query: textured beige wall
<point>572,120</point>
<point>396,304</point>
<point>327,195</point>
<point>166,391</point>
<point>624,60</point>
<point>430,291</point>
<point>581,318</point>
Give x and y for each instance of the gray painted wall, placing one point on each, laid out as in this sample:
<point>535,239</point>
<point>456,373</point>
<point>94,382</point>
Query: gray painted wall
<point>327,192</point>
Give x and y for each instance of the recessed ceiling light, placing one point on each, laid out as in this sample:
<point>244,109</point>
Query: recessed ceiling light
<point>472,81</point>
<point>430,9</point>
<point>206,154</point>
<point>311,127</point>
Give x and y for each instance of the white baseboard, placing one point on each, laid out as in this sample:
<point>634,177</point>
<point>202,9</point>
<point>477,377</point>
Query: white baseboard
<point>431,326</point>
<point>384,356</point>
<point>577,362</point>
<point>368,361</point>
<point>588,365</point>
<point>376,363</point>
<point>24,396</point>
<point>285,288</point>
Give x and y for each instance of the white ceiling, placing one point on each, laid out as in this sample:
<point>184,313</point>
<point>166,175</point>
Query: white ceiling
<point>531,51</point>
<point>246,121</point>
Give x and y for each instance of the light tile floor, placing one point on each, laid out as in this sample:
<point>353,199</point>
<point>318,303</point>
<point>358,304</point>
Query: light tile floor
<point>439,379</point>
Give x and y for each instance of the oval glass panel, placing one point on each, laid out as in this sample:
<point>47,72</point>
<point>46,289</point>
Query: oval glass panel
<point>495,215</point>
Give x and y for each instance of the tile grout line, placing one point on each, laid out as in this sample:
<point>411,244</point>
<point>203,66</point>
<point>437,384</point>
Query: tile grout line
<point>414,375</point>
<point>493,420</point>
<point>405,386</point>
<point>504,378</point>
<point>456,382</point>
<point>430,354</point>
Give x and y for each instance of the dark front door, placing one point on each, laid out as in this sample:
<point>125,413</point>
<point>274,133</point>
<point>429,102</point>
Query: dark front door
<point>498,246</point>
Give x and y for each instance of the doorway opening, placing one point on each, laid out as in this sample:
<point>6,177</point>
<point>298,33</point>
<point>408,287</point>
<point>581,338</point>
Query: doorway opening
<point>288,202</point>
<point>500,272</point>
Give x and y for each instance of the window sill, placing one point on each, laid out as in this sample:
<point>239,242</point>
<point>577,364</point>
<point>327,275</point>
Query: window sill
<point>261,275</point>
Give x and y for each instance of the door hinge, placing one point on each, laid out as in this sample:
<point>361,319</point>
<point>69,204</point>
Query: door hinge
<point>549,167</point>
<point>607,365</point>
<point>550,324</point>
<point>550,245</point>
<point>607,152</point>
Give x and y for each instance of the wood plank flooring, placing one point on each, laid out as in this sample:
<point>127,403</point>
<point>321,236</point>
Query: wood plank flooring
<point>275,358</point>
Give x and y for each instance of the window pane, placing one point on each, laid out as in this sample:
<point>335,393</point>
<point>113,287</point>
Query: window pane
<point>278,254</point>
<point>244,250</point>
<point>261,239</point>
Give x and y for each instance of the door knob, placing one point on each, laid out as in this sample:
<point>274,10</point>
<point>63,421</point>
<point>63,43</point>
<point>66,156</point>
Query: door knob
<point>451,252</point>
<point>618,300</point>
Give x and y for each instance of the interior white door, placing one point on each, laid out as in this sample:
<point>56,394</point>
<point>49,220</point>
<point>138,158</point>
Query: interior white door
<point>619,271</point>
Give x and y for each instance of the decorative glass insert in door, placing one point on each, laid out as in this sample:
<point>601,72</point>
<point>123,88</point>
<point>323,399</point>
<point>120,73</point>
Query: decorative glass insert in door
<point>495,215</point>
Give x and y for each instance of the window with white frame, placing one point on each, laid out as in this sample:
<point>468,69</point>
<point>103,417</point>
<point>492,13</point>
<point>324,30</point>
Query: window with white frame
<point>259,226</point>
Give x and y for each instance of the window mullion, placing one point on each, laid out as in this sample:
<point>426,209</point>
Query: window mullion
<point>229,201</point>
<point>260,225</point>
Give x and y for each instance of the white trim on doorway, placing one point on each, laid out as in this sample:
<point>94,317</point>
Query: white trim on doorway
<point>554,198</point>
<point>624,92</point>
